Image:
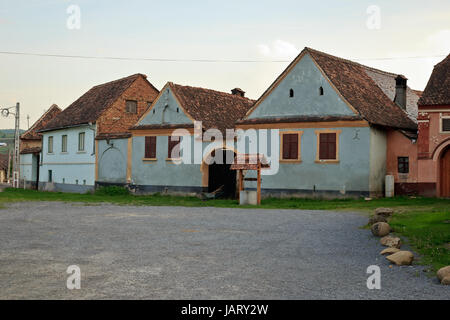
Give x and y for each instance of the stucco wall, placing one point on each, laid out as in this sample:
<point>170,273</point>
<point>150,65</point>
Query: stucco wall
<point>378,149</point>
<point>398,145</point>
<point>112,161</point>
<point>349,176</point>
<point>305,79</point>
<point>169,114</point>
<point>27,163</point>
<point>162,172</point>
<point>70,166</point>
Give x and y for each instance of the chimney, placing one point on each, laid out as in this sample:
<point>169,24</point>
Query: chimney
<point>238,92</point>
<point>400,91</point>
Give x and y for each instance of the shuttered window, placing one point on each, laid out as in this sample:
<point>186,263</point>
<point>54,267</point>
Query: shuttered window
<point>174,147</point>
<point>64,143</point>
<point>290,146</point>
<point>150,147</point>
<point>327,146</point>
<point>81,136</point>
<point>446,125</point>
<point>50,144</point>
<point>131,106</point>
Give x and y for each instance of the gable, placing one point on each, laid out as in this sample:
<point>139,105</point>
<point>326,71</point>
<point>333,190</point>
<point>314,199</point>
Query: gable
<point>165,110</point>
<point>305,79</point>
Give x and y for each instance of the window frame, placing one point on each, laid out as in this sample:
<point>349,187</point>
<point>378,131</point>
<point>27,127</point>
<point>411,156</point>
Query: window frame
<point>169,149</point>
<point>403,163</point>
<point>441,124</point>
<point>327,161</point>
<point>50,144</point>
<point>64,148</point>
<point>145,148</point>
<point>299,157</point>
<point>127,110</point>
<point>84,141</point>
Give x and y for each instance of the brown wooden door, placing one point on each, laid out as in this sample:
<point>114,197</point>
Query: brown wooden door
<point>445,173</point>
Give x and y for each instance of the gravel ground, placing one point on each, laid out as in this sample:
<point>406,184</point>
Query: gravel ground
<point>196,253</point>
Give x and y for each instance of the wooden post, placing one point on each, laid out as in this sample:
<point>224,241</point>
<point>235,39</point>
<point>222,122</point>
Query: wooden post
<point>259,184</point>
<point>241,183</point>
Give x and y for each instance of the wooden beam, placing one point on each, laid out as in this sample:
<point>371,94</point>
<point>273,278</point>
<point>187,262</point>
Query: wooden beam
<point>259,184</point>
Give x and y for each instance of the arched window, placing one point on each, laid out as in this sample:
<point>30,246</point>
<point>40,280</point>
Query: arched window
<point>291,93</point>
<point>321,91</point>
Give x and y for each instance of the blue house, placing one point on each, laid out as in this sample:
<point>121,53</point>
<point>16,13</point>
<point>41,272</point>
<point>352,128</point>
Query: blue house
<point>87,143</point>
<point>177,140</point>
<point>331,116</point>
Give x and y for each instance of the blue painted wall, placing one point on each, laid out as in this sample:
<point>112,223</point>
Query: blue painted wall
<point>305,79</point>
<point>351,174</point>
<point>165,111</point>
<point>112,161</point>
<point>71,166</point>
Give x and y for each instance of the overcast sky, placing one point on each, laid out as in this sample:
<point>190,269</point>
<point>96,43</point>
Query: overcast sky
<point>409,37</point>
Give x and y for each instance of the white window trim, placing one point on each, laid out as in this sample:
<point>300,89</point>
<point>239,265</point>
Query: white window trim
<point>441,117</point>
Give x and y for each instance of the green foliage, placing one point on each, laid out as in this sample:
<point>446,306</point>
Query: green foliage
<point>428,232</point>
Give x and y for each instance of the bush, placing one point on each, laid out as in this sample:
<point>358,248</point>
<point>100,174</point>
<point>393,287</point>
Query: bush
<point>112,191</point>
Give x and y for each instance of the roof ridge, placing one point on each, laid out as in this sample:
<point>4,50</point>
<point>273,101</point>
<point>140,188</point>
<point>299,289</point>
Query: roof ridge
<point>121,79</point>
<point>211,90</point>
<point>53,106</point>
<point>352,62</point>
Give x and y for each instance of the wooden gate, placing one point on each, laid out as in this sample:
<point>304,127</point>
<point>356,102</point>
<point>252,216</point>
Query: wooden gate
<point>445,173</point>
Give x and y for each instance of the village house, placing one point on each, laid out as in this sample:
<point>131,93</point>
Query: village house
<point>433,154</point>
<point>31,147</point>
<point>336,119</point>
<point>177,109</point>
<point>89,136</point>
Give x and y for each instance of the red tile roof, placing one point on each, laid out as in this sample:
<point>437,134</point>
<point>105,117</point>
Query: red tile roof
<point>91,105</point>
<point>33,132</point>
<point>437,91</point>
<point>365,89</point>
<point>31,150</point>
<point>215,109</point>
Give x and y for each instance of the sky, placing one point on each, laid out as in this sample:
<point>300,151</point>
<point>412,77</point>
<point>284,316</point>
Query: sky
<point>246,43</point>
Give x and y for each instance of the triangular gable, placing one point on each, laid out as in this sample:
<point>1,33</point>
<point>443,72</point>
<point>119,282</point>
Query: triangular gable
<point>306,79</point>
<point>166,109</point>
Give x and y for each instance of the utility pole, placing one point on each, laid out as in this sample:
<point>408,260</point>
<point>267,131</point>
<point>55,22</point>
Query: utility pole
<point>16,156</point>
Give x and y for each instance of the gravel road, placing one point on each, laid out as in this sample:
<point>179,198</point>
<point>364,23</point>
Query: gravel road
<point>129,252</point>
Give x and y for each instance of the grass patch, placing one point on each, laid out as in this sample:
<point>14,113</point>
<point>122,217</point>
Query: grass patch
<point>428,233</point>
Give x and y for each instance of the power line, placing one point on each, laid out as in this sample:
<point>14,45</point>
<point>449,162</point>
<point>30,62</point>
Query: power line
<point>189,60</point>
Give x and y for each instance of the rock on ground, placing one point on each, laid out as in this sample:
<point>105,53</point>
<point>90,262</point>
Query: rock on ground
<point>401,258</point>
<point>380,229</point>
<point>389,251</point>
<point>443,273</point>
<point>392,242</point>
<point>376,219</point>
<point>446,281</point>
<point>385,212</point>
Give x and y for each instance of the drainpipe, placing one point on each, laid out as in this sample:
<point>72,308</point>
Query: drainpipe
<point>94,133</point>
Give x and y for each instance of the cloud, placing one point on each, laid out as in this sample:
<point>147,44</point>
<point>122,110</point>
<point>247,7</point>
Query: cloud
<point>279,49</point>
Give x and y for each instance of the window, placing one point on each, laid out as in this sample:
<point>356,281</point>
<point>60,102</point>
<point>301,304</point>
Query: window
<point>446,125</point>
<point>50,144</point>
<point>64,180</point>
<point>403,164</point>
<point>76,181</point>
<point>290,146</point>
<point>81,136</point>
<point>321,91</point>
<point>84,182</point>
<point>131,106</point>
<point>291,93</point>
<point>150,147</point>
<point>64,143</point>
<point>174,147</point>
<point>327,146</point>
<point>50,176</point>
